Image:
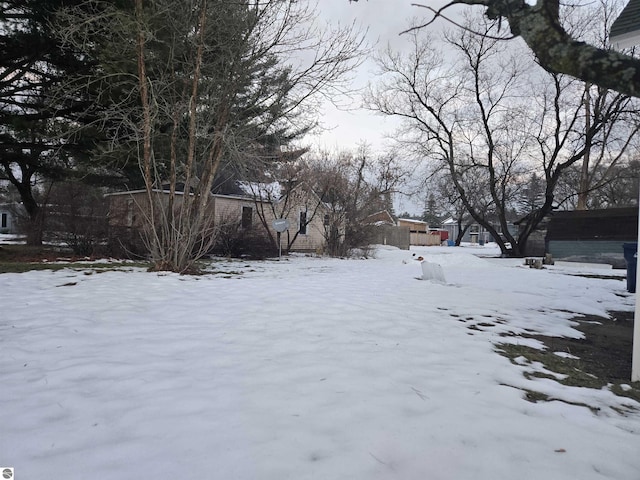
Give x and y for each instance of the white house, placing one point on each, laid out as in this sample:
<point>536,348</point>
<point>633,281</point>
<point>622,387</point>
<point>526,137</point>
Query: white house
<point>7,218</point>
<point>625,31</point>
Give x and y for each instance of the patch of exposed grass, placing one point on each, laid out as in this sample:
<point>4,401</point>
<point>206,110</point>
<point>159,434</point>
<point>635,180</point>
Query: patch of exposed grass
<point>600,277</point>
<point>634,392</point>
<point>576,372</point>
<point>88,268</point>
<point>535,397</point>
<point>574,369</point>
<point>22,267</point>
<point>24,258</point>
<point>18,253</point>
<point>225,273</point>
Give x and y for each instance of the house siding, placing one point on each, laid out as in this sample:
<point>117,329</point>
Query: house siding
<point>624,30</point>
<point>313,240</point>
<point>611,224</point>
<point>8,222</point>
<point>592,251</point>
<point>126,214</point>
<point>5,222</point>
<point>229,209</point>
<point>593,236</point>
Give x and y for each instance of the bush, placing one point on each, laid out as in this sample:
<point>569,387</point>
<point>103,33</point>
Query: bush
<point>234,241</point>
<point>124,242</point>
<point>77,216</point>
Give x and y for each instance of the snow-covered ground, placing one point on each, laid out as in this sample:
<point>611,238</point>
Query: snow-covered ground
<point>11,239</point>
<point>305,368</point>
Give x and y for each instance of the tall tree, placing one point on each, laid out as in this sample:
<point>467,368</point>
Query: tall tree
<point>35,144</point>
<point>593,23</point>
<point>354,185</point>
<point>216,81</point>
<point>483,125</point>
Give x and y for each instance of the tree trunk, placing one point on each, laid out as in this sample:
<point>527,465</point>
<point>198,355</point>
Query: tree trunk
<point>583,190</point>
<point>35,225</point>
<point>461,231</point>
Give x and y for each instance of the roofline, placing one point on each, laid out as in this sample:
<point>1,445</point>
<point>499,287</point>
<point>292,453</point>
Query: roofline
<point>625,29</point>
<point>411,220</point>
<point>155,190</point>
<point>131,192</point>
<point>238,197</point>
<point>626,40</point>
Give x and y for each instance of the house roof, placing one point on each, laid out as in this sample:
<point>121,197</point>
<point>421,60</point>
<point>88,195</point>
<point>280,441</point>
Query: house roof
<point>156,190</point>
<point>625,31</point>
<point>132,192</point>
<point>262,190</point>
<point>619,224</point>
<point>411,220</point>
<point>383,217</point>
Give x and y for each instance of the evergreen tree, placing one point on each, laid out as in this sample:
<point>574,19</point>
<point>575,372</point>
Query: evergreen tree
<point>36,143</point>
<point>200,87</point>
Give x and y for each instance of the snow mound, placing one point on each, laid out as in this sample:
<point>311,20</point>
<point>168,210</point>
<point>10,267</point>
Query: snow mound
<point>433,272</point>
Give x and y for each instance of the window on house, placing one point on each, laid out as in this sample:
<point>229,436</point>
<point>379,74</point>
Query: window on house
<point>4,220</point>
<point>247,217</point>
<point>303,223</point>
<point>327,220</point>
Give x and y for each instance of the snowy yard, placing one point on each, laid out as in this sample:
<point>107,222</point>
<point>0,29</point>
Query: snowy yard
<point>305,368</point>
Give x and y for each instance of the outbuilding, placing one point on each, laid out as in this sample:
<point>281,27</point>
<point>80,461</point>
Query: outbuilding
<point>594,236</point>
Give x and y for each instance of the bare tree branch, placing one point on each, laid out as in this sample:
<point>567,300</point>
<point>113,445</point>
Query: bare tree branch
<point>557,51</point>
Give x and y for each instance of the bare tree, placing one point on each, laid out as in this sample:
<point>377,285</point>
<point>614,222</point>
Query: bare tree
<point>76,215</point>
<point>440,186</point>
<point>610,147</point>
<point>615,186</point>
<point>457,115</point>
<point>343,188</point>
<point>479,120</point>
<point>622,188</point>
<point>355,185</point>
<point>287,191</point>
<point>565,135</point>
<point>541,25</point>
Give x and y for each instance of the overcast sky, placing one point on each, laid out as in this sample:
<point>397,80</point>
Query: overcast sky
<point>384,19</point>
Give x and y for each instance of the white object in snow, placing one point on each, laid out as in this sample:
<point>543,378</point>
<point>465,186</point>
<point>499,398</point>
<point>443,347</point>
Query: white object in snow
<point>432,271</point>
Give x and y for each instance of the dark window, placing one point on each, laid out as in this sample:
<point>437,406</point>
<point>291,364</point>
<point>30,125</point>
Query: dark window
<point>303,223</point>
<point>3,223</point>
<point>327,220</point>
<point>247,217</point>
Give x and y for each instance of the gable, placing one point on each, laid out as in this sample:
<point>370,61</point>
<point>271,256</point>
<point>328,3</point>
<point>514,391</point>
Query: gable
<point>379,218</point>
<point>625,31</point>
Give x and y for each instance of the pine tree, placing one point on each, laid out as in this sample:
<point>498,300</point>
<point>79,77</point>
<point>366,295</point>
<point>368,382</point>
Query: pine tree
<point>35,144</point>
